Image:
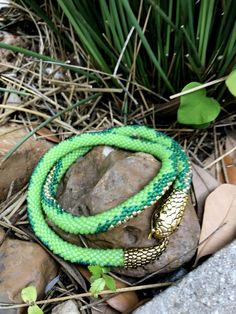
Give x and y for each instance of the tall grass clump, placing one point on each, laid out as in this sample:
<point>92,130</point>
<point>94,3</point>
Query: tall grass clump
<point>162,45</point>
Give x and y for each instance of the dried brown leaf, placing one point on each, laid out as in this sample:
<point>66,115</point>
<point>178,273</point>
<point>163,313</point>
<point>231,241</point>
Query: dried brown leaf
<point>123,302</point>
<point>203,183</point>
<point>230,160</point>
<point>230,169</point>
<point>219,221</point>
<point>48,135</point>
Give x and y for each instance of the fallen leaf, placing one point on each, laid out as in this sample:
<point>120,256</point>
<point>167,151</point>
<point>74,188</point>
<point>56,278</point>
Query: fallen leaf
<point>230,169</point>
<point>122,302</point>
<point>215,170</point>
<point>230,159</point>
<point>48,135</point>
<point>219,221</point>
<point>203,183</point>
<point>226,174</point>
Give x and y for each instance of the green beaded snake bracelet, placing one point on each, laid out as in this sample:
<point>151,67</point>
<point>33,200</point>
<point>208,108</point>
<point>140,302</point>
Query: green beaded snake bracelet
<point>175,174</point>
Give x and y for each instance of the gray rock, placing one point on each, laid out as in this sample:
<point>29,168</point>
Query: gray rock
<point>209,289</point>
<point>68,307</point>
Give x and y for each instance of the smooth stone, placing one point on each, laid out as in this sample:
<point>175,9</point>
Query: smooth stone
<point>17,170</point>
<point>68,307</point>
<point>23,264</point>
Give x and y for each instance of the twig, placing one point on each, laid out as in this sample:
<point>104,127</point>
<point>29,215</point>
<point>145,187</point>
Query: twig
<point>194,89</point>
<point>89,294</point>
<point>123,50</point>
<point>220,158</point>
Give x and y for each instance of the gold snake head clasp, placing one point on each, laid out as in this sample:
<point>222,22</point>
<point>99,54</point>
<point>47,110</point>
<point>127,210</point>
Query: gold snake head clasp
<point>167,219</point>
<point>157,234</point>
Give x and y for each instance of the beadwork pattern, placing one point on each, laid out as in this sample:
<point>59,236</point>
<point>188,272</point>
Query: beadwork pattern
<point>175,173</point>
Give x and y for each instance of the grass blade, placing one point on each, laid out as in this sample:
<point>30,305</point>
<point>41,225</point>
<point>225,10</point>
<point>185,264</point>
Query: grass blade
<point>146,45</point>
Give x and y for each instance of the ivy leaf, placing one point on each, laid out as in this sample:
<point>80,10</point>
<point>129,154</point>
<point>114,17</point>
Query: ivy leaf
<point>97,286</point>
<point>96,270</point>
<point>29,294</point>
<point>34,309</point>
<point>196,108</point>
<point>231,82</point>
<point>110,282</point>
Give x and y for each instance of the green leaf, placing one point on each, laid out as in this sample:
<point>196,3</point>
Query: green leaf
<point>95,270</point>
<point>29,294</point>
<point>34,309</point>
<point>105,270</point>
<point>196,108</point>
<point>94,277</point>
<point>231,82</point>
<point>97,286</point>
<point>110,282</point>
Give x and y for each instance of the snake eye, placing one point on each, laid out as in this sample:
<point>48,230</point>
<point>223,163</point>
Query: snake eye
<point>157,234</point>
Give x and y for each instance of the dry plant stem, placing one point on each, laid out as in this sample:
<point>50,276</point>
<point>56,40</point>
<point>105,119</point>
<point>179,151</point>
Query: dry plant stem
<point>107,75</point>
<point>220,158</point>
<point>34,91</point>
<point>223,166</point>
<point>46,122</point>
<point>216,154</point>
<point>200,142</point>
<point>94,303</point>
<point>12,209</point>
<point>88,294</point>
<point>37,113</point>
<point>14,220</point>
<point>9,226</point>
<point>123,50</point>
<point>194,89</point>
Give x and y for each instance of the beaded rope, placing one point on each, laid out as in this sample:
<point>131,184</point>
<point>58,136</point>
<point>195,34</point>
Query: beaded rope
<point>175,173</point>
